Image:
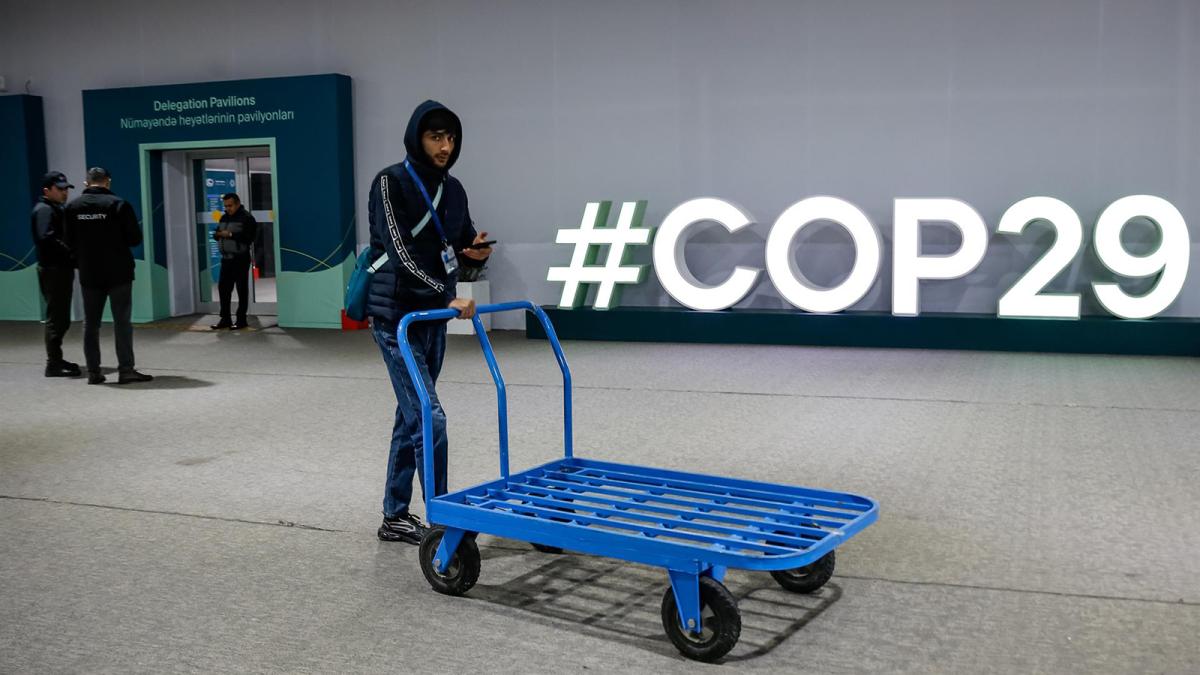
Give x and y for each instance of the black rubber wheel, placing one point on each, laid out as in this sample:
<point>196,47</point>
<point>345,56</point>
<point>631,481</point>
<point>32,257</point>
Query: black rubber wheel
<point>720,622</point>
<point>808,578</point>
<point>464,565</point>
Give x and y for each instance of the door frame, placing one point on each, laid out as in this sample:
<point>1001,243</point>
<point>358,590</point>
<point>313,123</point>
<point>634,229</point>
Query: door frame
<point>233,144</point>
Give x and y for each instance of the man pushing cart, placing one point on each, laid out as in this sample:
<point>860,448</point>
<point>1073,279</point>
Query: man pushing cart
<point>695,526</point>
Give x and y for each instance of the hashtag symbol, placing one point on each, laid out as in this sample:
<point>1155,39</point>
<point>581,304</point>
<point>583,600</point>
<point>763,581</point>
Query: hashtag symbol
<point>588,239</point>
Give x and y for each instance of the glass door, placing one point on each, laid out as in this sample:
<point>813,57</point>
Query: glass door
<point>245,172</point>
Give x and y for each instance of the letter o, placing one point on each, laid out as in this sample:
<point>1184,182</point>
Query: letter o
<point>790,281</point>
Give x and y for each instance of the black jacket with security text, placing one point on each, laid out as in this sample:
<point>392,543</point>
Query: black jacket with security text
<point>100,229</point>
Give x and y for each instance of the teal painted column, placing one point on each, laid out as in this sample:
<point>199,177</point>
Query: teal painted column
<point>22,163</point>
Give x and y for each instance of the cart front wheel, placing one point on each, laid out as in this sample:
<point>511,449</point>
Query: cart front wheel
<point>720,622</point>
<point>808,578</point>
<point>464,565</point>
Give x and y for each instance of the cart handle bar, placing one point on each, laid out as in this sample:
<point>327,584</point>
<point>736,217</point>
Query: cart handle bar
<point>485,344</point>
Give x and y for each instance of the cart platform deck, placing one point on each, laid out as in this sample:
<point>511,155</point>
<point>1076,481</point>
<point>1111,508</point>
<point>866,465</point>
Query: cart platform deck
<point>668,516</point>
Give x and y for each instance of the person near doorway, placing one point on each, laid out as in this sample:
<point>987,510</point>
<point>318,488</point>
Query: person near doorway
<point>100,229</point>
<point>419,220</point>
<point>56,269</point>
<point>234,236</point>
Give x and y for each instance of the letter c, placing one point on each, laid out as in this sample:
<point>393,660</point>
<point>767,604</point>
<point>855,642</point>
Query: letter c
<point>672,270</point>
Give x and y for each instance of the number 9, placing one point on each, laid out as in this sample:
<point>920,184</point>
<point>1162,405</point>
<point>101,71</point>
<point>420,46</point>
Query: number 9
<point>1171,258</point>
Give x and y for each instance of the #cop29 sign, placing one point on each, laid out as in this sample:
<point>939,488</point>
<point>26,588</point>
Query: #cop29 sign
<point>1025,298</point>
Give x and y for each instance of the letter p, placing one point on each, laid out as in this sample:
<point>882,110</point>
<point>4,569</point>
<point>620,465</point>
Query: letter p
<point>909,267</point>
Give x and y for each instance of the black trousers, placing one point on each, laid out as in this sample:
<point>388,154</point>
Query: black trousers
<point>233,273</point>
<point>56,284</point>
<point>121,298</point>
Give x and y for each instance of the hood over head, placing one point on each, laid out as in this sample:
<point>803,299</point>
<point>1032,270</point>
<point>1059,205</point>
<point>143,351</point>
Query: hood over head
<point>412,135</point>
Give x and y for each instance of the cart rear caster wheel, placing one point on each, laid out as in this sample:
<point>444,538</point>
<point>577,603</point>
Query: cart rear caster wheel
<point>464,565</point>
<point>720,622</point>
<point>808,578</point>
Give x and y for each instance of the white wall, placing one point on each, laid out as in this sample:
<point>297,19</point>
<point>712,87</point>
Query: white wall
<point>761,103</point>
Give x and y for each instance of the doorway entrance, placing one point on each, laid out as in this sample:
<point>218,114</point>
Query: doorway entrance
<point>194,183</point>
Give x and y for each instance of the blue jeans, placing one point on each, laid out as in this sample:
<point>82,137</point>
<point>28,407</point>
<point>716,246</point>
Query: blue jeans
<point>428,341</point>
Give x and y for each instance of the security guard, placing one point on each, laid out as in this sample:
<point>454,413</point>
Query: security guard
<point>101,228</point>
<point>56,270</point>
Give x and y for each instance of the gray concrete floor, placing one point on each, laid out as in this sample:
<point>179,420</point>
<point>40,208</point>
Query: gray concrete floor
<point>1039,512</point>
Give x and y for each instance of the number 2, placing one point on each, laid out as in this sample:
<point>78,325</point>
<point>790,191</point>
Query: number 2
<point>1025,298</point>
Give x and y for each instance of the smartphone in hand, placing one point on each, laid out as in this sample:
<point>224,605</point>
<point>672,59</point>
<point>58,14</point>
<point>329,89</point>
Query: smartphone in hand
<point>482,244</point>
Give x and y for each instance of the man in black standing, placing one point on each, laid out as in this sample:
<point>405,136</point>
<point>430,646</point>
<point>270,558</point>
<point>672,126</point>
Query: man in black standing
<point>101,227</point>
<point>56,270</point>
<point>234,236</point>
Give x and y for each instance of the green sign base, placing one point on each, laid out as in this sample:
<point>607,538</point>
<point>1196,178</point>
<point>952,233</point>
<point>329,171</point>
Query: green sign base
<point>1088,335</point>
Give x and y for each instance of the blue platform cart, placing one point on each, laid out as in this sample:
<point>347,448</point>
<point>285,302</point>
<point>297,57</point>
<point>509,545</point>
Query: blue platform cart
<point>695,526</point>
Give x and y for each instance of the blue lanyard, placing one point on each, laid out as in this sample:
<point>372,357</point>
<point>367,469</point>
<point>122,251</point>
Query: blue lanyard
<point>437,222</point>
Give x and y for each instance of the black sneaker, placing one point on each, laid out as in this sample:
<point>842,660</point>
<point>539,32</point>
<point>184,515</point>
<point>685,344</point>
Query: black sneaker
<point>128,376</point>
<point>63,369</point>
<point>406,528</point>
<point>239,325</point>
<point>223,324</point>
<point>96,377</point>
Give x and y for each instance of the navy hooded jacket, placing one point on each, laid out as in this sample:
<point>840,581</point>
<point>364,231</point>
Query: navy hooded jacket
<point>414,278</point>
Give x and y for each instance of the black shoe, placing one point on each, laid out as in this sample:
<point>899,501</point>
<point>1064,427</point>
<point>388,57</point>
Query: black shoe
<point>96,377</point>
<point>406,528</point>
<point>239,325</point>
<point>221,325</point>
<point>128,376</point>
<point>63,369</point>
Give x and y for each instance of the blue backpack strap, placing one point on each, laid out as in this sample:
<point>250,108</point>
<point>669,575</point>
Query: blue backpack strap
<point>379,262</point>
<point>437,199</point>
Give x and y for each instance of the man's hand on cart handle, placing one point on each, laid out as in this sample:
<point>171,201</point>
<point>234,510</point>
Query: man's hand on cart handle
<point>465,307</point>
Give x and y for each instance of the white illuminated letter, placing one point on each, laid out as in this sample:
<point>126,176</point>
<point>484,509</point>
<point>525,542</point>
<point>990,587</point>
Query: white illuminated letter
<point>909,266</point>
<point>1171,257</point>
<point>1025,297</point>
<point>791,282</point>
<point>672,269</point>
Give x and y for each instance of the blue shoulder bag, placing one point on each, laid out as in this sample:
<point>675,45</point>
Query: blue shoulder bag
<point>360,283</point>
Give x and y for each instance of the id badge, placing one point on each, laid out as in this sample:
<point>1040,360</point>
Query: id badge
<point>449,259</point>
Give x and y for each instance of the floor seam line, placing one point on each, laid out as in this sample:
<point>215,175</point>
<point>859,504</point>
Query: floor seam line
<point>576,387</point>
<point>130,509</point>
<point>1026,591</point>
<point>289,524</point>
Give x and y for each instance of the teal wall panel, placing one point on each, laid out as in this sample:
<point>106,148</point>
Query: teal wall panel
<point>22,163</point>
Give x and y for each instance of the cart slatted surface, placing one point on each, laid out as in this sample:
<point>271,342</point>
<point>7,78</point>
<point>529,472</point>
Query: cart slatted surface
<point>751,519</point>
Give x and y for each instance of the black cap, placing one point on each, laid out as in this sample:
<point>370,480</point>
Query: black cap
<point>97,174</point>
<point>57,179</point>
